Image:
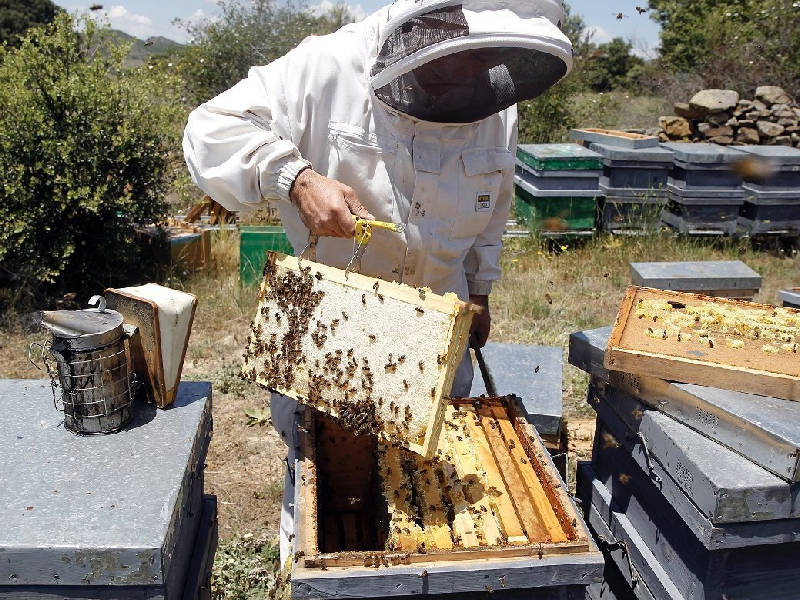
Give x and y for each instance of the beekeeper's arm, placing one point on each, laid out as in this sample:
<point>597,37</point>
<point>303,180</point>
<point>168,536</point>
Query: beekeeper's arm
<point>482,264</point>
<point>241,149</point>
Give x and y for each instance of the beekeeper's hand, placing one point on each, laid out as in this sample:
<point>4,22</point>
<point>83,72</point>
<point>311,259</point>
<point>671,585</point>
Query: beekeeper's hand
<point>326,205</point>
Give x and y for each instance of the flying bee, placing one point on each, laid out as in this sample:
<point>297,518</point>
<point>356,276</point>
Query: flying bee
<point>641,10</point>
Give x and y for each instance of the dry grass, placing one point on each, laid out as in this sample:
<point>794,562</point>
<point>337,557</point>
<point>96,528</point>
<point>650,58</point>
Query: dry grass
<point>543,297</point>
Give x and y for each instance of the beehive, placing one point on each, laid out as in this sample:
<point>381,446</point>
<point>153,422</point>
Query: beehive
<point>379,357</point>
<point>717,342</point>
<point>372,514</point>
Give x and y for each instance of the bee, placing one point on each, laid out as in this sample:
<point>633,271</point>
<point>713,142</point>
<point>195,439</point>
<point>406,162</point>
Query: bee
<point>345,316</point>
<point>433,392</point>
<point>405,384</point>
<point>419,310</point>
<point>318,275</point>
<point>536,370</point>
<point>380,297</point>
<point>372,337</point>
<point>422,293</point>
<point>401,359</point>
<point>710,343</point>
<point>421,366</point>
<point>523,460</point>
<point>364,299</point>
<point>619,16</point>
<point>375,287</point>
<point>641,10</point>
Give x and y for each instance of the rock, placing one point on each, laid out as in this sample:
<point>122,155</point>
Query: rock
<point>785,113</point>
<point>787,122</point>
<point>652,131</point>
<point>675,127</point>
<point>732,122</point>
<point>682,109</point>
<point>758,105</point>
<point>744,103</point>
<point>702,127</point>
<point>753,115</point>
<point>746,123</point>
<point>783,140</point>
<point>719,118</point>
<point>722,140</point>
<point>663,137</point>
<point>793,129</point>
<point>714,132</point>
<point>748,135</point>
<point>772,94</point>
<point>714,101</point>
<point>770,130</point>
<point>795,138</point>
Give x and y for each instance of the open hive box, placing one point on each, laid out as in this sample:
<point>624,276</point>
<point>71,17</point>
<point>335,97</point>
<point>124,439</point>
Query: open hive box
<point>378,356</point>
<point>488,512</point>
<point>717,342</point>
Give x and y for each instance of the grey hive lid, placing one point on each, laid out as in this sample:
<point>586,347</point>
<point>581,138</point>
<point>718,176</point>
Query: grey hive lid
<point>695,275</point>
<point>702,153</point>
<point>95,509</point>
<point>644,155</point>
<point>780,155</point>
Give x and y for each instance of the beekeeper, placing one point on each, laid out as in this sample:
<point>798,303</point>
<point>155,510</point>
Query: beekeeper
<point>407,116</point>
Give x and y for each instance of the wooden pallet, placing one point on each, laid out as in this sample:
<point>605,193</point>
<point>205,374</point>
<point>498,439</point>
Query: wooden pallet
<point>378,356</point>
<point>715,342</point>
<point>490,497</point>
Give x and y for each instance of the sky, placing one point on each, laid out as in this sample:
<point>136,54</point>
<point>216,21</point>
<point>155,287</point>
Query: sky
<point>146,18</point>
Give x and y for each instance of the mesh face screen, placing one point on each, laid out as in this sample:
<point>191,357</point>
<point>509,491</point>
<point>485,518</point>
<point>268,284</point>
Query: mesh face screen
<point>471,85</point>
<point>420,32</point>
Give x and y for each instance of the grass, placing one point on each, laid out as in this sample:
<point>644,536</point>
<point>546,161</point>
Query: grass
<point>547,292</point>
<point>619,110</point>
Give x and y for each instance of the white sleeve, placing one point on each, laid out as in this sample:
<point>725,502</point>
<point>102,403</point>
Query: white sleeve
<point>482,264</point>
<point>234,145</point>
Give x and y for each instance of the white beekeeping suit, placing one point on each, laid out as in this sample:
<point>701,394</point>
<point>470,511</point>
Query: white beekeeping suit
<point>414,109</point>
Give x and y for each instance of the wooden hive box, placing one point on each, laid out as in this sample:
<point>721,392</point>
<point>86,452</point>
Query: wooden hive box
<point>717,342</point>
<point>379,357</point>
<point>488,512</point>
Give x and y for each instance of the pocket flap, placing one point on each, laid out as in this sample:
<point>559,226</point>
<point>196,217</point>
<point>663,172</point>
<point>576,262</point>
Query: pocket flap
<point>486,160</point>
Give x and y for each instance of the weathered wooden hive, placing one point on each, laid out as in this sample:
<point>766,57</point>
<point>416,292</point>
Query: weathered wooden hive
<point>488,512</point>
<point>379,357</point>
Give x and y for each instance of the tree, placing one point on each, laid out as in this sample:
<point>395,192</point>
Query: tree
<point>17,16</point>
<point>731,43</point>
<point>609,65</point>
<point>87,152</point>
<point>222,51</point>
<point>549,117</point>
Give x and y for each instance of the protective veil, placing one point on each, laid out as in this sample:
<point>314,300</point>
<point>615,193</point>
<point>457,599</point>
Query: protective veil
<point>459,63</point>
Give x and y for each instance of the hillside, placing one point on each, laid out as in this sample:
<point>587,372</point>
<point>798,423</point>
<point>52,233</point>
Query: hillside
<point>143,49</point>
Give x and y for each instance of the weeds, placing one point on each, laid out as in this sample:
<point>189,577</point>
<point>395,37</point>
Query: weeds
<point>247,568</point>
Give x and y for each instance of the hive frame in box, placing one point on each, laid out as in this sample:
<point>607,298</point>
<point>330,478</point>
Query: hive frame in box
<point>379,573</point>
<point>714,364</point>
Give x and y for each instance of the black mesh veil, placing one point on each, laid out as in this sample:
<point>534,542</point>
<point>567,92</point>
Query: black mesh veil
<point>468,85</point>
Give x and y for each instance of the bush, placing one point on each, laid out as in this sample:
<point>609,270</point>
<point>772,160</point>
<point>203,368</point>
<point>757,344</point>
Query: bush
<point>87,152</point>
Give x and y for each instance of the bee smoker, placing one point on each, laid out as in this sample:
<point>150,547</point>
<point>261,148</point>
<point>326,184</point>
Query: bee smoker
<point>93,367</point>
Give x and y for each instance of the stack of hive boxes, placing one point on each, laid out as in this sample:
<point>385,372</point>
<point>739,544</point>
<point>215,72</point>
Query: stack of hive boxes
<point>772,189</point>
<point>790,297</point>
<point>692,491</point>
<point>556,188</point>
<point>109,517</point>
<point>634,184</point>
<point>704,190</point>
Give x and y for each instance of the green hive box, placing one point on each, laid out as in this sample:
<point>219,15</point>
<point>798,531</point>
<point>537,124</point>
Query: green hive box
<point>254,243</point>
<point>559,157</point>
<point>556,216</point>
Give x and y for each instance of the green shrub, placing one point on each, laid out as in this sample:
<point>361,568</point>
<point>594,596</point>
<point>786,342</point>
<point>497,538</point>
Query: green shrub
<point>87,152</point>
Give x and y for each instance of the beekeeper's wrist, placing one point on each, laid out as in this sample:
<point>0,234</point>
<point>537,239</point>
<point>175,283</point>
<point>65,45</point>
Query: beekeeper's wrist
<point>288,174</point>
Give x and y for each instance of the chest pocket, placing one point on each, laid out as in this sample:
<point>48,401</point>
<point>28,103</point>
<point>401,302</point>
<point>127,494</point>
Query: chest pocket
<point>478,188</point>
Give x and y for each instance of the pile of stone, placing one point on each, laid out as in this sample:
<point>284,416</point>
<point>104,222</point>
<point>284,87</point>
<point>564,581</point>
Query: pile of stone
<point>722,117</point>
